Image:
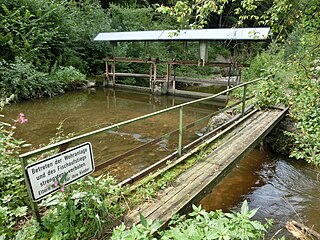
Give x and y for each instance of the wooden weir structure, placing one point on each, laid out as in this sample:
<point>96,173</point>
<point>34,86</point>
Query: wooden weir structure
<point>242,132</point>
<point>167,84</point>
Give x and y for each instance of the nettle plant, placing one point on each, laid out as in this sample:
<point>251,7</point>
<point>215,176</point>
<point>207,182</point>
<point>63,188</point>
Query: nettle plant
<point>200,225</point>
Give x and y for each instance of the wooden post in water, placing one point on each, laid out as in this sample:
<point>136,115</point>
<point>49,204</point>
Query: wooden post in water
<point>168,76</point>
<point>113,44</point>
<point>150,78</point>
<point>114,72</point>
<point>174,80</point>
<point>106,79</point>
<point>154,75</point>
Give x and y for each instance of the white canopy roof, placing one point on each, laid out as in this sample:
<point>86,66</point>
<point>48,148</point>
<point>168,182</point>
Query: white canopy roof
<point>218,34</point>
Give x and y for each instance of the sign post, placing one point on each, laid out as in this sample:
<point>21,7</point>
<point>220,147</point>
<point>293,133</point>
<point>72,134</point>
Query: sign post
<point>34,205</point>
<point>48,175</point>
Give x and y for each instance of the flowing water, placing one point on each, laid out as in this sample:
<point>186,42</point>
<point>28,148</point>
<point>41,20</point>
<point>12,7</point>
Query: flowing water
<point>281,188</point>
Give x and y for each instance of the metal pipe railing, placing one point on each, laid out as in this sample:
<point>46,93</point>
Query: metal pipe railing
<point>64,144</point>
<point>118,125</point>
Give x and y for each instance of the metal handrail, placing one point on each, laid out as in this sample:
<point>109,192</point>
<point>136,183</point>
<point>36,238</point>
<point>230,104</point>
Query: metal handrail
<point>118,125</point>
<point>65,143</point>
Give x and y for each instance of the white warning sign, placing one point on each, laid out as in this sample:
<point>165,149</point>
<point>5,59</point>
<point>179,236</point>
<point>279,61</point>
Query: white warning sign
<point>51,174</point>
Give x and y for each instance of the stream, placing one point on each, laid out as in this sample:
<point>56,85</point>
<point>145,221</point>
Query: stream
<point>281,188</point>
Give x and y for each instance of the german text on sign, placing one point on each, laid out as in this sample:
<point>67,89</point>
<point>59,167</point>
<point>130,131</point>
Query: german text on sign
<point>48,175</point>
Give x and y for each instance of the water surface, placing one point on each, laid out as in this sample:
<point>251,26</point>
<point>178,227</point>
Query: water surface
<point>83,111</point>
<point>281,188</point>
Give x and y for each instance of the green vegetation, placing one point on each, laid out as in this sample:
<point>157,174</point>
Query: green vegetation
<point>292,78</point>
<point>199,225</point>
<point>24,81</point>
<point>42,42</point>
<point>79,211</point>
<point>47,48</point>
<point>13,195</point>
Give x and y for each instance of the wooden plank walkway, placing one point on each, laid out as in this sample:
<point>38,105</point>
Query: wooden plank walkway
<point>190,187</point>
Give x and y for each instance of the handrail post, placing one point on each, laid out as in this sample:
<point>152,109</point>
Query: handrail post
<point>180,132</point>
<point>244,100</point>
<point>34,205</point>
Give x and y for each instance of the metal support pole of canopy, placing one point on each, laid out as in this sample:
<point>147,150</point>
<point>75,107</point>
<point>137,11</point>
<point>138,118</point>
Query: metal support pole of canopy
<point>168,76</point>
<point>150,78</point>
<point>106,79</point>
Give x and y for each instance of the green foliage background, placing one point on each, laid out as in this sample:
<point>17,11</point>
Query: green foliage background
<point>292,72</point>
<point>47,47</point>
<point>39,39</point>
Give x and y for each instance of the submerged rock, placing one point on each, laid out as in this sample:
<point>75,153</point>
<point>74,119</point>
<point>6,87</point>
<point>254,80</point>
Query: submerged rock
<point>218,120</point>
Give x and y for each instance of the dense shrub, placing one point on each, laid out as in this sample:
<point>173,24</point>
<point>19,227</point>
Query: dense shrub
<point>69,76</point>
<point>79,211</point>
<point>291,73</point>
<point>24,81</point>
<point>47,33</point>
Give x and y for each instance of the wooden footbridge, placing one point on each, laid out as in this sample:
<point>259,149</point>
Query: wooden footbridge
<point>237,136</point>
<point>192,185</point>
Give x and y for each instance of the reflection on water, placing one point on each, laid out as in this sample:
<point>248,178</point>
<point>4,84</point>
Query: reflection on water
<point>282,190</point>
<point>83,111</point>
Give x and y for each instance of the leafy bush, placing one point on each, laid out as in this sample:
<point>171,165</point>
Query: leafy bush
<point>24,81</point>
<point>199,225</point>
<point>291,73</point>
<point>79,211</point>
<point>69,76</point>
<point>45,33</point>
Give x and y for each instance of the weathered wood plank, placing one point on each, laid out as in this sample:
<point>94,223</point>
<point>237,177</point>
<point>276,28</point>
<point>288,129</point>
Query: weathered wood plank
<point>188,187</point>
<point>184,179</point>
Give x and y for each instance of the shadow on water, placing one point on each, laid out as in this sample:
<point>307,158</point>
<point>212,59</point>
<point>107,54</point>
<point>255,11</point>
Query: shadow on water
<point>282,189</point>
